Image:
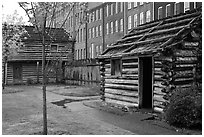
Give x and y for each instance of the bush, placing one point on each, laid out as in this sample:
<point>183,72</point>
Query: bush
<point>185,108</point>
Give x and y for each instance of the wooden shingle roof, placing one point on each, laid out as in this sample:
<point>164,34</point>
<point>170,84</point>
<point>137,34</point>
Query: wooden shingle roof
<point>59,34</point>
<point>32,49</point>
<point>151,37</point>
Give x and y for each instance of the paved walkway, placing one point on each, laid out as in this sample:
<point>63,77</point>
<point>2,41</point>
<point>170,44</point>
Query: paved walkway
<point>22,114</point>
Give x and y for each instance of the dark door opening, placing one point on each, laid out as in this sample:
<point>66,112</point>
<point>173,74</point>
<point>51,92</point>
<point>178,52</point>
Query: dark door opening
<point>17,73</point>
<point>145,82</point>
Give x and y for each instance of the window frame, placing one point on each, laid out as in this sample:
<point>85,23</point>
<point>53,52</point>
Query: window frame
<point>141,18</point>
<point>188,3</point>
<point>135,20</point>
<point>158,11</point>
<point>116,66</point>
<point>55,50</point>
<point>168,5</point>
<point>129,5</point>
<point>129,22</point>
<point>148,16</point>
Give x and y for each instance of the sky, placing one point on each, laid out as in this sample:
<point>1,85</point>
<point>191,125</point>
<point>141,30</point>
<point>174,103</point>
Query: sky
<point>9,7</point>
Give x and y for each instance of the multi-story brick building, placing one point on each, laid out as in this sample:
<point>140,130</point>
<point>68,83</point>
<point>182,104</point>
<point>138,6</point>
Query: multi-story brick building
<point>166,9</point>
<point>107,22</point>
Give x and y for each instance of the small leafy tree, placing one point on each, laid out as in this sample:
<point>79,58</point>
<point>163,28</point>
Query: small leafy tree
<point>11,41</point>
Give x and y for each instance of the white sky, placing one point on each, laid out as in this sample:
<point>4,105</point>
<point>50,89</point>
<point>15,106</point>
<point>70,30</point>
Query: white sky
<point>9,7</point>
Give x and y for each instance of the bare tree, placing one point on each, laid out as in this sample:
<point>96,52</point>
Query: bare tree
<point>39,13</point>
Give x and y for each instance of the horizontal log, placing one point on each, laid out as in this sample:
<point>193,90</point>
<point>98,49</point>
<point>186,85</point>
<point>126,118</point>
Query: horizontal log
<point>123,103</point>
<point>129,60</point>
<point>130,65</point>
<point>185,65</point>
<point>158,104</point>
<point>158,98</point>
<point>183,81</point>
<point>125,87</point>
<point>158,91</point>
<point>158,110</point>
<point>131,77</point>
<point>122,81</point>
<point>107,65</point>
<point>186,58</point>
<point>122,92</point>
<point>158,78</point>
<point>157,64</point>
<point>186,53</point>
<point>158,84</point>
<point>183,75</point>
<point>121,98</point>
<point>183,68</point>
<point>130,71</point>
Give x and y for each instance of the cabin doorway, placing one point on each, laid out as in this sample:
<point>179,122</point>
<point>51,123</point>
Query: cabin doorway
<point>145,83</point>
<point>17,73</point>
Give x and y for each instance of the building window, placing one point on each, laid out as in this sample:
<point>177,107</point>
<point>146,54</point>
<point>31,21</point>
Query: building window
<point>116,7</point>
<point>90,55</point>
<point>168,10</point>
<point>148,14</point>
<point>121,6</point>
<point>116,67</point>
<point>159,12</point>
<point>129,5</point>
<point>93,32</point>
<point>116,26</point>
<point>97,51</point>
<point>111,27</point>
<point>107,11</point>
<point>84,53</point>
<point>111,9</point>
<point>101,49</point>
<point>90,18</point>
<point>135,4</point>
<point>129,22</point>
<point>89,33</point>
<point>194,5</point>
<point>96,15</point>
<point>107,28</point>
<point>96,31</point>
<point>93,16</point>
<point>78,54</point>
<point>81,54</point>
<point>121,25</point>
<point>92,50</point>
<point>54,47</point>
<point>81,35</point>
<point>135,20</point>
<point>176,8</point>
<point>100,30</point>
<point>141,18</point>
<point>186,6</point>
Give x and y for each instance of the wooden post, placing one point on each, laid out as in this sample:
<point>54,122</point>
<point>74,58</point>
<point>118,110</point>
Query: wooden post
<point>37,71</point>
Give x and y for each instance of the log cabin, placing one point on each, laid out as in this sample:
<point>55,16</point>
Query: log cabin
<point>143,67</point>
<point>26,65</point>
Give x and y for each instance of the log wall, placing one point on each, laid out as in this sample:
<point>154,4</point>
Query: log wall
<point>30,71</point>
<point>122,89</point>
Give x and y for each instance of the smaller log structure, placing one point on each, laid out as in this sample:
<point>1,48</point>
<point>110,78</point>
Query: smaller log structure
<point>151,61</point>
<point>26,65</point>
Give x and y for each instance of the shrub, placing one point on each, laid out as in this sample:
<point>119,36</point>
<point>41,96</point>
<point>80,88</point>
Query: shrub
<point>185,108</point>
